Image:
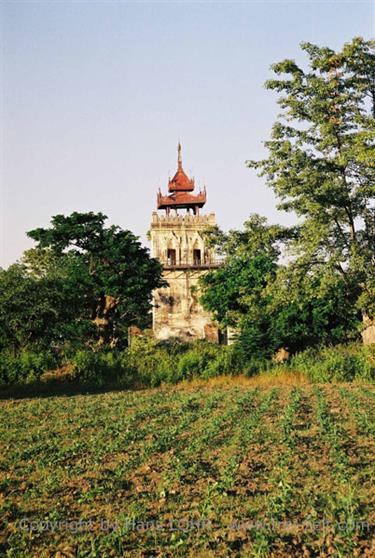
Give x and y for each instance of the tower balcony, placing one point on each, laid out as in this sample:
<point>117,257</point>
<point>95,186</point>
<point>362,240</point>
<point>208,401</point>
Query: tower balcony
<point>181,200</point>
<point>172,265</point>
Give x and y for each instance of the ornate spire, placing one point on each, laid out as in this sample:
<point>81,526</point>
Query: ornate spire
<point>179,158</point>
<point>180,186</point>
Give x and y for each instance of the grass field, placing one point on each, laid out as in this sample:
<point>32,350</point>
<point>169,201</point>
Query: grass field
<point>207,470</point>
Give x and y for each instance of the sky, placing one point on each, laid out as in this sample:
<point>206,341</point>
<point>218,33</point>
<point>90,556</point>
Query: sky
<point>96,95</point>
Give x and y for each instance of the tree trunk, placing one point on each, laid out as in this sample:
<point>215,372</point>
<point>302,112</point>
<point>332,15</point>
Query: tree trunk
<point>102,318</point>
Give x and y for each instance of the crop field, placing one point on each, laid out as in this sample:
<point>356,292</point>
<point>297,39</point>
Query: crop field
<point>205,470</point>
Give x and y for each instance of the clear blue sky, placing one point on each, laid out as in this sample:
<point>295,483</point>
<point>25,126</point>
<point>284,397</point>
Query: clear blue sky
<point>96,95</point>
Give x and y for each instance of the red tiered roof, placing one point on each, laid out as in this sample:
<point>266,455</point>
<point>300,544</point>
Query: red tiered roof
<point>180,185</point>
<point>181,182</point>
<point>181,200</point>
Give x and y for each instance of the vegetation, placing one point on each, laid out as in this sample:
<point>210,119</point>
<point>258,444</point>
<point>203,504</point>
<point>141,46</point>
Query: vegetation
<point>321,161</point>
<point>274,305</point>
<point>83,283</point>
<point>68,303</point>
<point>313,283</point>
<point>247,456</point>
<point>231,469</point>
<point>147,363</point>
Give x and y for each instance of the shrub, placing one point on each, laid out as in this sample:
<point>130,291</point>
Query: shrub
<point>257,365</point>
<point>148,363</point>
<point>342,363</point>
<point>97,368</point>
<point>26,367</point>
<point>225,362</point>
<point>152,363</point>
<point>174,347</point>
<point>203,359</point>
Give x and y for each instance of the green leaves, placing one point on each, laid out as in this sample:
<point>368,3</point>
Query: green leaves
<point>251,260</point>
<point>83,281</point>
<point>321,153</point>
<point>38,306</point>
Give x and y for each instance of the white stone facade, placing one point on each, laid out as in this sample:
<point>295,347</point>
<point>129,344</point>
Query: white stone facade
<point>177,241</point>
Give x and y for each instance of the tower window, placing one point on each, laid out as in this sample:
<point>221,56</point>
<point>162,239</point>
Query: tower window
<point>197,257</point>
<point>171,257</point>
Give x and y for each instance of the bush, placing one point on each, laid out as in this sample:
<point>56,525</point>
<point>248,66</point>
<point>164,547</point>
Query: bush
<point>97,368</point>
<point>204,360</point>
<point>24,368</point>
<point>257,365</point>
<point>149,363</point>
<point>152,363</point>
<point>194,362</point>
<point>342,363</point>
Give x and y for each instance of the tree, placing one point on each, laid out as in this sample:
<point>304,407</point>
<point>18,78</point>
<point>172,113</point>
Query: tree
<point>321,161</point>
<point>307,308</point>
<point>271,304</point>
<point>235,292</point>
<point>250,261</point>
<point>114,270</point>
<point>42,308</point>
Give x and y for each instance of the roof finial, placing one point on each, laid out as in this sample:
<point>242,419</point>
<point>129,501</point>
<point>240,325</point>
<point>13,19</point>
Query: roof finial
<point>179,159</point>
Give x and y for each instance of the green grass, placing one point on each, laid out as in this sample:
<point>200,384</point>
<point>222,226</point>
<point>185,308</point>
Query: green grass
<point>198,470</point>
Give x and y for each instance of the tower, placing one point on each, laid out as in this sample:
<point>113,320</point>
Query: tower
<point>178,242</point>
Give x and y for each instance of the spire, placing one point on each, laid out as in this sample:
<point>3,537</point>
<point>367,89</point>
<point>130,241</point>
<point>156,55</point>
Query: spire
<point>180,186</point>
<point>179,158</point>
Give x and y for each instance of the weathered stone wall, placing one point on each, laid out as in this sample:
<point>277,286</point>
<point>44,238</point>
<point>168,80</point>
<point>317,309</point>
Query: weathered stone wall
<point>182,233</point>
<point>176,310</point>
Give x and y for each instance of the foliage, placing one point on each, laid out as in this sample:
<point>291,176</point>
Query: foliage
<point>98,368</point>
<point>202,360</point>
<point>154,363</point>
<point>149,363</point>
<point>273,305</point>
<point>313,283</point>
<point>310,308</point>
<point>251,261</point>
<point>341,363</point>
<point>234,292</point>
<point>40,310</point>
<point>320,162</point>
<point>116,272</point>
<point>85,283</point>
<point>26,367</point>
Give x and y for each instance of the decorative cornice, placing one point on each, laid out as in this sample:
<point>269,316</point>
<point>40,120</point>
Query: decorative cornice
<point>187,218</point>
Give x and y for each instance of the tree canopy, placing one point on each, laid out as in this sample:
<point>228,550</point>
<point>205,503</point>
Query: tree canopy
<point>321,159</point>
<point>320,165</point>
<point>272,302</point>
<point>83,281</point>
<point>118,272</point>
<point>250,262</point>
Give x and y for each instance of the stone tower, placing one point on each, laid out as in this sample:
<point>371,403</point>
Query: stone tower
<point>177,241</point>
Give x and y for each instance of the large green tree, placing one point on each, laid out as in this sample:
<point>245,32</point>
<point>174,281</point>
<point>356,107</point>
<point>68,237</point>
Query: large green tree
<point>236,292</point>
<point>270,302</point>
<point>321,161</point>
<point>309,308</point>
<point>114,272</point>
<point>250,263</point>
<point>42,302</point>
